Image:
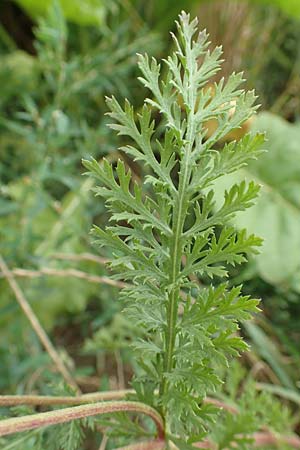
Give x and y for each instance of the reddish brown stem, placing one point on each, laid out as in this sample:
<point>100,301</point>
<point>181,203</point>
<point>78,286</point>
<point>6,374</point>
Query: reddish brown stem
<point>158,444</point>
<point>33,421</point>
<point>44,400</point>
<point>267,438</point>
<point>260,438</point>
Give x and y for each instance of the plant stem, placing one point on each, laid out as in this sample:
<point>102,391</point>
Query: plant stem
<point>47,400</point>
<point>149,445</point>
<point>81,257</point>
<point>49,271</point>
<point>176,254</point>
<point>103,442</point>
<point>179,215</point>
<point>33,421</point>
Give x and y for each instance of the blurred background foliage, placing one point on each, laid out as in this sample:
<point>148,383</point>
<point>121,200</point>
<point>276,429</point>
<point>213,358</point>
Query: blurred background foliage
<point>58,61</point>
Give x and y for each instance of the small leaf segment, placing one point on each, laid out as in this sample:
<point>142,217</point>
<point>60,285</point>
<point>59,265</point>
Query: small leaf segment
<point>166,234</point>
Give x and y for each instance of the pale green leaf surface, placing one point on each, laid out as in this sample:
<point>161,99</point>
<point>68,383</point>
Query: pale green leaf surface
<point>87,12</point>
<point>276,215</point>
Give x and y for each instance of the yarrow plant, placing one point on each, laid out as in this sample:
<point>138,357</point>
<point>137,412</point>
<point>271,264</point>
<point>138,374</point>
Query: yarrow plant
<point>166,233</point>
<point>168,239</point>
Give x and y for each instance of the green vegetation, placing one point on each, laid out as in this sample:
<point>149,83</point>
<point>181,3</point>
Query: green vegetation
<point>176,223</point>
<point>140,330</point>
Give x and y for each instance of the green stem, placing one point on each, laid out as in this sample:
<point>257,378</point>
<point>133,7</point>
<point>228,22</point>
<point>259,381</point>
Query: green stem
<point>176,255</point>
<point>179,216</point>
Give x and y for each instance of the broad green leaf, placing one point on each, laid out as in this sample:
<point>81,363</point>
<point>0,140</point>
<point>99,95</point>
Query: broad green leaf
<point>276,215</point>
<point>290,7</point>
<point>87,12</point>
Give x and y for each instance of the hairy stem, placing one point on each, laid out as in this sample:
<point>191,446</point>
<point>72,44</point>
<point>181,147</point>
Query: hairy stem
<point>179,213</point>
<point>176,255</point>
<point>33,421</point>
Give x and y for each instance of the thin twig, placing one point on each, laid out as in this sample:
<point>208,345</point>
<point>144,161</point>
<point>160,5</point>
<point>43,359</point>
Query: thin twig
<point>220,404</point>
<point>33,378</point>
<point>67,273</point>
<point>44,400</point>
<point>90,383</point>
<point>33,421</point>
<point>103,442</point>
<point>36,325</point>
<point>80,257</point>
<point>47,400</point>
